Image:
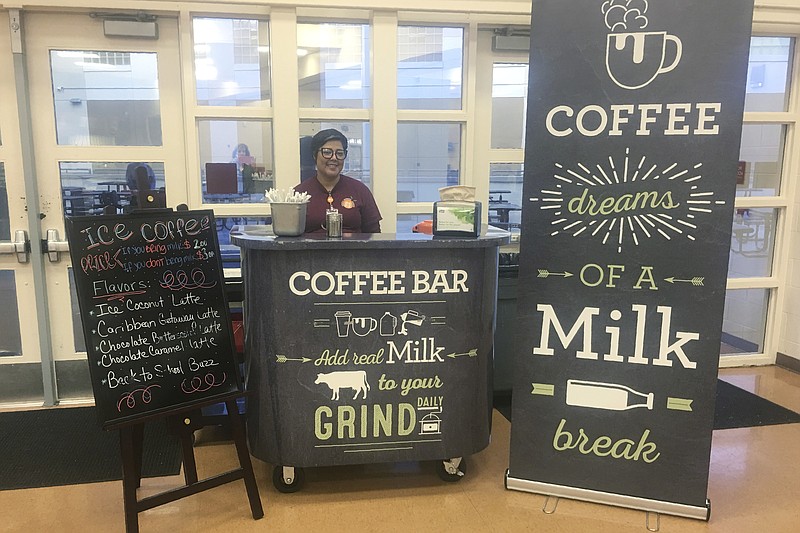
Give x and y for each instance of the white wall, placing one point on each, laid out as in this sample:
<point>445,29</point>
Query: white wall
<point>789,343</point>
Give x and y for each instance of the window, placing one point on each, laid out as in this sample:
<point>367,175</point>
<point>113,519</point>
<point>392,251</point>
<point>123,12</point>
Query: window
<point>333,65</point>
<point>5,217</point>
<point>759,182</point>
<point>761,160</point>
<point>505,195</point>
<point>768,74</point>
<point>752,242</point>
<point>106,98</point>
<point>10,341</point>
<point>232,62</point>
<point>509,104</point>
<point>236,160</point>
<point>428,157</point>
<point>94,188</point>
<point>429,67</point>
<point>744,322</point>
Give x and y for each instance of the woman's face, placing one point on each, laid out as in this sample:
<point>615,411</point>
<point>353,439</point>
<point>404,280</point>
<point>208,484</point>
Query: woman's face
<point>329,168</point>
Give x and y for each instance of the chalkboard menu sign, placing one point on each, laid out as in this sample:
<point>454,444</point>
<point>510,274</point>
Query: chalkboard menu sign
<point>154,311</point>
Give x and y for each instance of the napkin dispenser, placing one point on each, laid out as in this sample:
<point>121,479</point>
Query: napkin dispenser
<point>456,218</point>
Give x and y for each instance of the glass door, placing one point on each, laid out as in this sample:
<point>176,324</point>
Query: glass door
<point>107,130</point>
<point>19,347</point>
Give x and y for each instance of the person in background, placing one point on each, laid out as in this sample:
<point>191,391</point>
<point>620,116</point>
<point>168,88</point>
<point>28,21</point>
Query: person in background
<point>241,155</point>
<point>244,168</point>
<point>133,170</point>
<point>329,188</point>
<point>307,165</point>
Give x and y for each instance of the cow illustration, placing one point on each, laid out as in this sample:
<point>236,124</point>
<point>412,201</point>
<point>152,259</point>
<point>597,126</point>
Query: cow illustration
<point>355,379</point>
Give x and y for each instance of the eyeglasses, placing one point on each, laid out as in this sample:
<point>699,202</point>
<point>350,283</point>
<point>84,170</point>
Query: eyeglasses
<point>327,153</point>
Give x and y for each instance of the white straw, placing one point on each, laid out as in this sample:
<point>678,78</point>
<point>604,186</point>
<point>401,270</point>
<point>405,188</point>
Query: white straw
<point>284,196</point>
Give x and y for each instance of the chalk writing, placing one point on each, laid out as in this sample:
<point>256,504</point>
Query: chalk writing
<point>180,280</point>
<point>129,399</point>
<point>149,325</point>
<point>197,384</point>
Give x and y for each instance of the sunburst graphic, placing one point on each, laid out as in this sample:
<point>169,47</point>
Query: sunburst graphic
<point>646,209</point>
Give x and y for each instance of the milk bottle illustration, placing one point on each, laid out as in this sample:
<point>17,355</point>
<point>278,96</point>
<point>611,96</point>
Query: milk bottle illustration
<point>388,325</point>
<point>609,396</point>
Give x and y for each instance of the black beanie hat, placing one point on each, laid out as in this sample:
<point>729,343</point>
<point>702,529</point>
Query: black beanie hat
<point>324,136</point>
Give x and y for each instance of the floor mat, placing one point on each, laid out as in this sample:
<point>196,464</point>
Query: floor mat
<point>48,447</point>
<point>735,408</point>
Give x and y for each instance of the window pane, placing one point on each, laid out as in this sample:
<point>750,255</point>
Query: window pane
<point>106,98</point>
<point>77,330</point>
<point>768,74</point>
<point>429,65</point>
<point>744,321</point>
<point>760,160</point>
<point>5,217</point>
<point>509,104</point>
<point>224,226</point>
<point>752,242</point>
<point>10,340</point>
<point>232,62</point>
<point>428,157</point>
<point>505,195</point>
<point>333,65</point>
<point>236,160</point>
<point>357,164</point>
<point>406,223</point>
<point>88,188</point>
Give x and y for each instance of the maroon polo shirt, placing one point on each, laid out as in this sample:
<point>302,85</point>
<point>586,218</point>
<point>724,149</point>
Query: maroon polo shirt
<point>351,198</point>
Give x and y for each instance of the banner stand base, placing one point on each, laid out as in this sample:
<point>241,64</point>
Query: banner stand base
<point>607,498</point>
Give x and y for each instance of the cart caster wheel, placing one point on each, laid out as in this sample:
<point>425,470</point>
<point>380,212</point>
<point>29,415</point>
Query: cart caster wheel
<point>451,470</point>
<point>287,479</point>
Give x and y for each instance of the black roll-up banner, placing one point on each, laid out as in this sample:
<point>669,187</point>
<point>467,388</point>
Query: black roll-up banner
<point>633,130</point>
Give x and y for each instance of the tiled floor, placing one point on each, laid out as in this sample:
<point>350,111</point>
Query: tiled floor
<point>754,487</point>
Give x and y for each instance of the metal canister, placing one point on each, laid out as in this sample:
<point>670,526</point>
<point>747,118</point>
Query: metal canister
<point>333,223</point>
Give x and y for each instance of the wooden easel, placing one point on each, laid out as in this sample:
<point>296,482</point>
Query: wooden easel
<point>130,440</point>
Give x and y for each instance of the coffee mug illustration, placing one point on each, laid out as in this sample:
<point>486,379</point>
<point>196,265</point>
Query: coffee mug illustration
<point>635,59</point>
<point>363,326</point>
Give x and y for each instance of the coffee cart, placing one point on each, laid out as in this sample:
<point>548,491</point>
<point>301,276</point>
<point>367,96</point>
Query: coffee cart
<point>365,349</point>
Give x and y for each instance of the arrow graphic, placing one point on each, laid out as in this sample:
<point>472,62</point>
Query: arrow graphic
<point>679,404</point>
<point>472,353</point>
<point>697,281</point>
<point>544,273</point>
<point>543,389</point>
<point>283,359</point>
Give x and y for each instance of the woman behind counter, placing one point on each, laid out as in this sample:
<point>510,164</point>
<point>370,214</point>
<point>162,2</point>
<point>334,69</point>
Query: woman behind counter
<point>330,188</point>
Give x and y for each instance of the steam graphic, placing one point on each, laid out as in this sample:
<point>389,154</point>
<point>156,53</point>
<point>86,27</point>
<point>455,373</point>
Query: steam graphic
<point>634,58</point>
<point>625,15</point>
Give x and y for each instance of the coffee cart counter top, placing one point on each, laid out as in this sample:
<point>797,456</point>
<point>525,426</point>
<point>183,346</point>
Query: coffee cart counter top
<point>261,238</point>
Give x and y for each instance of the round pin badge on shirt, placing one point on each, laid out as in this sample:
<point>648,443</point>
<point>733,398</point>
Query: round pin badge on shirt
<point>348,203</point>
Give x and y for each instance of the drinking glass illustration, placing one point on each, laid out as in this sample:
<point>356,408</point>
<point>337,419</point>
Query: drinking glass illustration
<point>364,325</point>
<point>633,60</point>
<point>343,322</point>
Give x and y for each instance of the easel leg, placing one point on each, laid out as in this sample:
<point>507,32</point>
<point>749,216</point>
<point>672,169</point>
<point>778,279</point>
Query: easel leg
<point>131,464</point>
<point>186,433</point>
<point>138,439</point>
<point>237,428</point>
